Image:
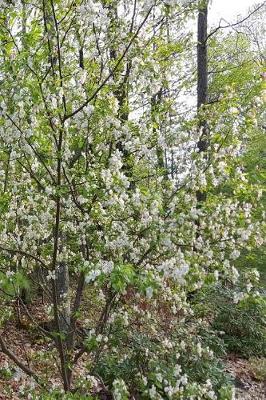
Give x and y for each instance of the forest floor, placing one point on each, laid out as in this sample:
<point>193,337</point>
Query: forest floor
<point>247,386</point>
<point>30,347</point>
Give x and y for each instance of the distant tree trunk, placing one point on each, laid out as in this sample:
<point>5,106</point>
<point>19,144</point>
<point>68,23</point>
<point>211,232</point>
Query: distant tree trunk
<point>121,85</point>
<point>155,103</point>
<point>202,56</point>
<point>202,81</point>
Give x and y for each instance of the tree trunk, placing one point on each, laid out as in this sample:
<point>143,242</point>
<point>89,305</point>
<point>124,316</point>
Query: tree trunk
<point>202,82</point>
<point>62,284</point>
<point>202,56</point>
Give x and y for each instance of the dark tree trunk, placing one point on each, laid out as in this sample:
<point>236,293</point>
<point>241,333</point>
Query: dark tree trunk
<point>202,58</point>
<point>202,82</point>
<point>155,103</point>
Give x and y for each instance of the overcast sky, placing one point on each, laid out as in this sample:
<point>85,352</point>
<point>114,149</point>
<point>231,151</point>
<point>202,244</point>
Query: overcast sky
<point>229,9</point>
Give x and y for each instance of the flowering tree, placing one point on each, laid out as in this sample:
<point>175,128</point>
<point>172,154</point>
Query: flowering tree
<point>101,172</point>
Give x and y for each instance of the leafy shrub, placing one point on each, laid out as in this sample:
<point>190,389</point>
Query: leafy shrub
<point>151,370</point>
<point>60,396</point>
<point>5,373</point>
<point>240,320</point>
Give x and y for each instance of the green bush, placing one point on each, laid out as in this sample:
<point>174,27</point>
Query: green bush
<point>61,396</point>
<point>244,325</point>
<point>241,323</point>
<point>145,365</point>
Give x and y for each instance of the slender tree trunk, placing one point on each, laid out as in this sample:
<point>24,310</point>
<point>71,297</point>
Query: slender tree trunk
<point>121,89</point>
<point>155,104</point>
<point>60,285</point>
<point>202,56</point>
<point>62,280</point>
<point>202,81</point>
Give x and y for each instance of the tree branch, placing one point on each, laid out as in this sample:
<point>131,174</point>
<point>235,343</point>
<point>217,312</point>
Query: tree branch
<point>4,349</point>
<point>236,23</point>
<point>80,108</point>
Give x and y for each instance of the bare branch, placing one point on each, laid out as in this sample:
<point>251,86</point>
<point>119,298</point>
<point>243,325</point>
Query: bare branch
<point>4,349</point>
<point>236,23</point>
<point>23,253</point>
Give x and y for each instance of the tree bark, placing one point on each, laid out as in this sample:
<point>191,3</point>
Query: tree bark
<point>202,56</point>
<point>202,82</point>
<point>62,283</point>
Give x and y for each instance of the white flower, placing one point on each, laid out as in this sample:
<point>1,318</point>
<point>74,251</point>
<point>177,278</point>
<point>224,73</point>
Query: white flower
<point>92,276</point>
<point>81,199</point>
<point>194,214</point>
<point>54,102</point>
<point>106,266</point>
<point>169,390</point>
<point>177,370</point>
<point>144,380</point>
<point>82,77</point>
<point>238,297</point>
<point>167,344</point>
<point>175,2</point>
<point>50,275</point>
<point>149,292</point>
<point>211,394</point>
<point>136,198</point>
<point>249,287</point>
<point>99,338</point>
<point>88,110</point>
<point>107,177</point>
<point>235,254</point>
<point>182,345</point>
<point>115,161</point>
<point>61,93</point>
<point>245,235</point>
<point>235,275</point>
<point>120,389</point>
<point>152,392</point>
<point>222,167</point>
<point>234,110</point>
<point>184,380</point>
<point>199,349</point>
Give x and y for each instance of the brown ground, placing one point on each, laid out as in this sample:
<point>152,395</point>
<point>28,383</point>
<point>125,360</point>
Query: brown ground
<point>247,386</point>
